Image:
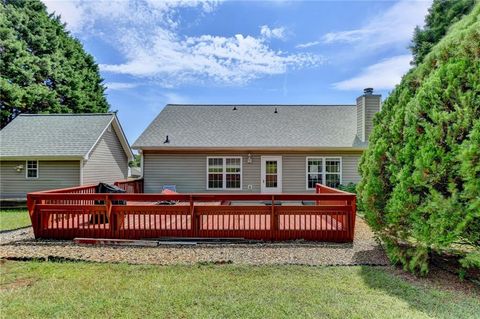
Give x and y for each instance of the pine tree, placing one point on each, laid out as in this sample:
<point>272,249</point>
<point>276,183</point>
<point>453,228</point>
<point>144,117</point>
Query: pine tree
<point>421,173</point>
<point>441,15</point>
<point>43,69</point>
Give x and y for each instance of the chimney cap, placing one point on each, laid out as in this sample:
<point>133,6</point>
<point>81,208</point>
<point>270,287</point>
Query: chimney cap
<point>368,91</point>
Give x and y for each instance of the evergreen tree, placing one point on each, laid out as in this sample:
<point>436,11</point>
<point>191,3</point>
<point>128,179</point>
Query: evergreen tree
<point>43,69</point>
<point>420,183</point>
<point>441,15</point>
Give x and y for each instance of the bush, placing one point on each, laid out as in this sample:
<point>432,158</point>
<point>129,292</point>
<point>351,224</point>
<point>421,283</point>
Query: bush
<point>350,187</point>
<point>421,173</point>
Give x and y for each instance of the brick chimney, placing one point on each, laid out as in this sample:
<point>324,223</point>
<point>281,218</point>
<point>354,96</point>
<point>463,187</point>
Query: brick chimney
<point>367,105</point>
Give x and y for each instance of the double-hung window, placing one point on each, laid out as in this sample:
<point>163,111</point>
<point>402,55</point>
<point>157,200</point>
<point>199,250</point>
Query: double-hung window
<point>224,172</point>
<point>32,169</point>
<point>323,170</point>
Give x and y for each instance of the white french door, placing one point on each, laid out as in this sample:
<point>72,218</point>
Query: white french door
<point>271,174</point>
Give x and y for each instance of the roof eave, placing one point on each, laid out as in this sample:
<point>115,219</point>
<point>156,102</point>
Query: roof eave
<point>250,148</point>
<point>43,157</point>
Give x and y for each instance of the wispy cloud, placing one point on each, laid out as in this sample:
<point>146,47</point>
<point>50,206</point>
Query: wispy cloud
<point>392,27</point>
<point>146,32</point>
<point>273,33</point>
<point>307,45</point>
<point>230,60</point>
<point>120,85</point>
<point>383,75</point>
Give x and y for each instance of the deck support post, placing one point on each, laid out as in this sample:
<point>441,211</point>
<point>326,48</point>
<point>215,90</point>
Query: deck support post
<point>273,221</point>
<point>194,222</point>
<point>352,218</point>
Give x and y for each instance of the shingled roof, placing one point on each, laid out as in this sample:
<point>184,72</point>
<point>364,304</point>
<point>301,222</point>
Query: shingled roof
<point>252,126</point>
<point>57,135</point>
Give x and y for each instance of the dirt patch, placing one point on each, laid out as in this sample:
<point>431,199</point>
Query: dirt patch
<point>439,279</point>
<point>19,283</point>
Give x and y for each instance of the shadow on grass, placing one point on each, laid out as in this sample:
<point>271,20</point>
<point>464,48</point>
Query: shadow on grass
<point>421,295</point>
<point>375,256</point>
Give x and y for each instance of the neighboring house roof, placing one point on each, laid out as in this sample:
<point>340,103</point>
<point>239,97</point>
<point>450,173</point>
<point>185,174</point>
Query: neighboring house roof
<point>58,136</point>
<point>252,126</point>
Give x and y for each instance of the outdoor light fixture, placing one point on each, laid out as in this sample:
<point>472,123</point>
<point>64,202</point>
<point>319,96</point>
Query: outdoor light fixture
<point>19,168</point>
<point>249,158</point>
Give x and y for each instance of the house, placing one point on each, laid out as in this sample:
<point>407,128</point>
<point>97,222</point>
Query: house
<point>52,151</point>
<point>256,148</point>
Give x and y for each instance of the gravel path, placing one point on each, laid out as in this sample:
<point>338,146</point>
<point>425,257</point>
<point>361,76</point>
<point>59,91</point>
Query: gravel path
<point>364,250</point>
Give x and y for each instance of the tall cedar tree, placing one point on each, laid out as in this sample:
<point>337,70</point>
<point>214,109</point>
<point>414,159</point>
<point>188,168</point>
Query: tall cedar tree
<point>441,15</point>
<point>420,183</point>
<point>43,69</point>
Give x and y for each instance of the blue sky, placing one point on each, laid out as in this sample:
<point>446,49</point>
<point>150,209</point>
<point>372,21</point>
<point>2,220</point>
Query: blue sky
<point>154,52</point>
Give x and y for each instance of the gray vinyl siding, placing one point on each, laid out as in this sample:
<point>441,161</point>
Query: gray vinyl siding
<point>107,162</point>
<point>51,175</point>
<point>189,171</point>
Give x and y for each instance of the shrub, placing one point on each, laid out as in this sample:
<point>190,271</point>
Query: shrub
<point>421,173</point>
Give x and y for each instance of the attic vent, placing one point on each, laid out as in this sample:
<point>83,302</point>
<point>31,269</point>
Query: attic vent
<point>166,140</point>
<point>234,108</point>
<point>276,111</point>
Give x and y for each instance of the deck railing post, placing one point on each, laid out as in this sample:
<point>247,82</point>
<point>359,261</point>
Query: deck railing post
<point>194,222</point>
<point>353,216</point>
<point>112,221</point>
<point>273,220</point>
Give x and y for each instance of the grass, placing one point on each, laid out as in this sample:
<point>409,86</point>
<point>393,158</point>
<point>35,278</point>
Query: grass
<point>89,290</point>
<point>14,218</point>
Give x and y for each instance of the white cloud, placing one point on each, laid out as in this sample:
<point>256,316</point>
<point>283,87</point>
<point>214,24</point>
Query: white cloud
<point>146,33</point>
<point>392,27</point>
<point>230,60</point>
<point>71,13</point>
<point>120,85</point>
<point>383,75</point>
<point>307,45</point>
<point>275,33</point>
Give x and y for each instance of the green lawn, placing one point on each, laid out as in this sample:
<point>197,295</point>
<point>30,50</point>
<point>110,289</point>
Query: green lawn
<point>14,218</point>
<point>87,290</point>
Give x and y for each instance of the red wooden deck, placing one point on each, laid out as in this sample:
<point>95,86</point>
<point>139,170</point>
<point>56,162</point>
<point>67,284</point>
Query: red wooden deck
<point>78,213</point>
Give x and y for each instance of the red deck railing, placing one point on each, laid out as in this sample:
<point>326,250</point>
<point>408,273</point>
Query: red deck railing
<point>131,186</point>
<point>79,212</point>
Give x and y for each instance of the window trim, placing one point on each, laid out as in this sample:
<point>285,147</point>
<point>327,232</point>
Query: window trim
<point>26,169</point>
<point>224,173</point>
<point>324,170</point>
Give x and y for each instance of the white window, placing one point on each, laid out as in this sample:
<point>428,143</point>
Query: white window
<point>32,169</point>
<point>224,173</point>
<point>324,170</point>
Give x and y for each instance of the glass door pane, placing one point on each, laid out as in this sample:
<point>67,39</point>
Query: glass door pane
<point>271,174</point>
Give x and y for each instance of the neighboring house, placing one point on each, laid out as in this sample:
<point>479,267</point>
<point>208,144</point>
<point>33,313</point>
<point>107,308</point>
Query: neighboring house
<point>39,152</point>
<point>256,148</point>
<point>135,172</point>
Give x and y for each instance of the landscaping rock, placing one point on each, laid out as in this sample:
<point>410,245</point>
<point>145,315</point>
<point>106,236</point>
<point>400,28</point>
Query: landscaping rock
<point>365,250</point>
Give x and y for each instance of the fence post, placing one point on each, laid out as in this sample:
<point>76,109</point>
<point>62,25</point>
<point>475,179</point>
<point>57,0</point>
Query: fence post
<point>193,218</point>
<point>112,221</point>
<point>273,220</point>
<point>353,216</point>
